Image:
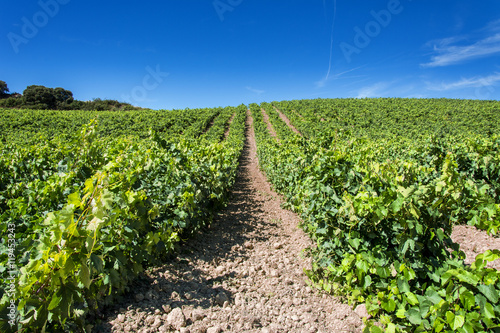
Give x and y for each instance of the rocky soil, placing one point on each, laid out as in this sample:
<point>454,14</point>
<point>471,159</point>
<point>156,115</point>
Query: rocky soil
<point>243,274</point>
<point>474,241</point>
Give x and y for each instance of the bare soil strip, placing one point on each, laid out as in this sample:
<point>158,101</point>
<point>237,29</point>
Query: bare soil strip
<point>287,121</point>
<point>210,124</point>
<point>474,241</point>
<point>243,274</point>
<point>270,127</point>
<point>226,133</point>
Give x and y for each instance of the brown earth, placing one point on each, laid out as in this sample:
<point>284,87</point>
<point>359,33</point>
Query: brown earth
<point>474,241</point>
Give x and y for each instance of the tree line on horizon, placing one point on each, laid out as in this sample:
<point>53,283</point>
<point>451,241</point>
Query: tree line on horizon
<point>39,97</point>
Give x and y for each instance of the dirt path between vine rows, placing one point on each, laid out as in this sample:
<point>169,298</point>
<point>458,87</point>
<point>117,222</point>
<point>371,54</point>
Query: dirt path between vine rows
<point>270,127</point>
<point>287,121</point>
<point>243,274</point>
<point>226,133</point>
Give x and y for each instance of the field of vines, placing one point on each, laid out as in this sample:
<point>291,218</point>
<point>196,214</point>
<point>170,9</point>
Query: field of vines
<point>88,201</point>
<point>379,184</point>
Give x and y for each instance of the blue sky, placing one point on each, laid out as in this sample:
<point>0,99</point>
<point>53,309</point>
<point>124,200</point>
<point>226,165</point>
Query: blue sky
<point>204,53</point>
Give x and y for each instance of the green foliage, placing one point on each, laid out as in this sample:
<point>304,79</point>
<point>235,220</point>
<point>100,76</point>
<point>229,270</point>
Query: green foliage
<point>220,124</point>
<point>379,184</point>
<point>40,96</point>
<point>390,117</point>
<point>98,104</point>
<point>12,102</point>
<point>381,210</point>
<point>90,212</point>
<point>36,97</point>
<point>4,90</point>
<point>25,127</point>
<point>43,98</point>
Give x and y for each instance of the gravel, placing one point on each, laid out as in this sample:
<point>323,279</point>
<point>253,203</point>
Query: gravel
<point>244,273</point>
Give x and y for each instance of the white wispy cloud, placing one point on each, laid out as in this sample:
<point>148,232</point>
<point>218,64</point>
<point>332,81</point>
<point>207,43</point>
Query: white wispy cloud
<point>321,83</point>
<point>256,91</point>
<point>472,82</point>
<point>493,26</point>
<point>448,52</point>
<point>375,90</point>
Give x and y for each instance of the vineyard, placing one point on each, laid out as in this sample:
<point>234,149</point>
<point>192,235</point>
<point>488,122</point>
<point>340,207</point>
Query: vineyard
<point>89,200</point>
<point>91,210</point>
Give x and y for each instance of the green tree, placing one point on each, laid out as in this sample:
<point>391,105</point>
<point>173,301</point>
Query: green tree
<point>39,96</point>
<point>42,97</point>
<point>64,98</point>
<point>4,90</point>
<point>63,95</point>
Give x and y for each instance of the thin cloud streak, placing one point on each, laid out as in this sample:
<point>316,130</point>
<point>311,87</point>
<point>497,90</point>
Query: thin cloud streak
<point>256,91</point>
<point>321,83</point>
<point>473,82</point>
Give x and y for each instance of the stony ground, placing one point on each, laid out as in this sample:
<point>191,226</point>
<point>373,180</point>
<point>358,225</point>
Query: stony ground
<point>474,241</point>
<point>245,273</point>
